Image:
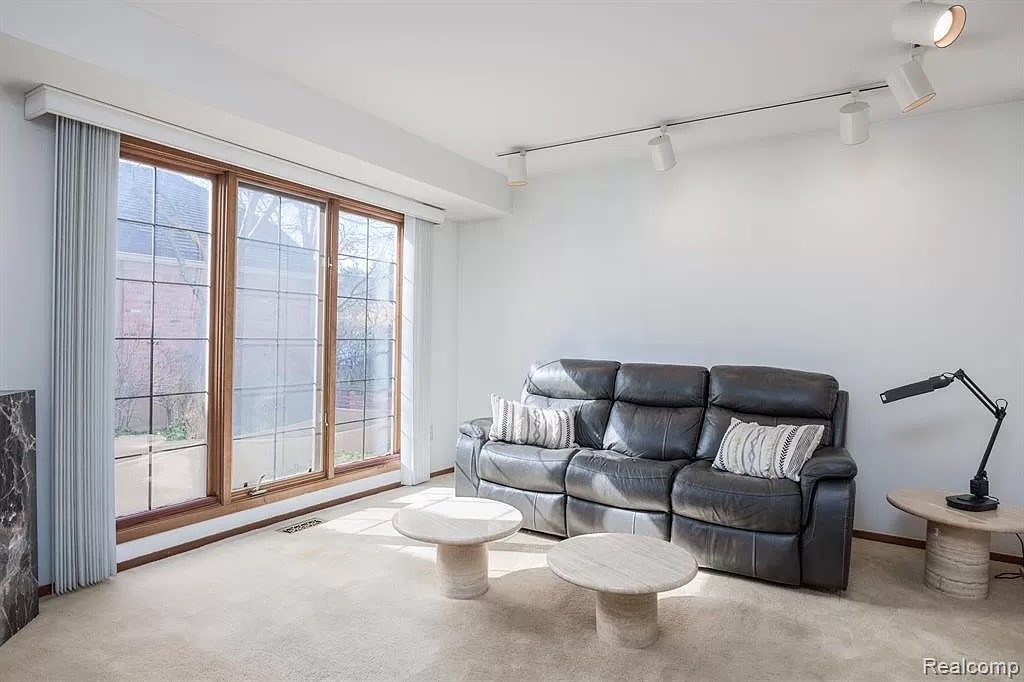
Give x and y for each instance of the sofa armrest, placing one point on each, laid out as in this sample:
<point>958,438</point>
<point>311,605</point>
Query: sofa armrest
<point>829,462</point>
<point>472,437</point>
<point>825,463</point>
<point>476,428</point>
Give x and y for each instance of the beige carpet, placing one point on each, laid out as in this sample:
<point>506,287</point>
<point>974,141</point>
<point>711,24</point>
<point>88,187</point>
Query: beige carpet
<point>352,600</point>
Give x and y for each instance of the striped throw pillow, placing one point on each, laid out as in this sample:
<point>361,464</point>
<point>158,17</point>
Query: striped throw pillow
<point>517,423</point>
<point>767,451</point>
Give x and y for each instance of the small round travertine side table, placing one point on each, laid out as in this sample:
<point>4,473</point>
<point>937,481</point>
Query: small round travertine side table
<point>627,572</point>
<point>461,527</point>
<point>958,542</point>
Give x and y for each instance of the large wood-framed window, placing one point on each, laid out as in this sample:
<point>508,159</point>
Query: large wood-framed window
<point>257,342</point>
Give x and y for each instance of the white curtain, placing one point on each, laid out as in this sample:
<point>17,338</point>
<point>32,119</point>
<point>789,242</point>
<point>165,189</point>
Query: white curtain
<point>417,250</point>
<point>85,220</point>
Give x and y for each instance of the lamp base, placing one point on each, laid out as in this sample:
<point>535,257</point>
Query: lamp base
<point>972,503</point>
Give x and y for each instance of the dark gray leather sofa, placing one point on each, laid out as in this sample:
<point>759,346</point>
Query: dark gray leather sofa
<point>647,435</point>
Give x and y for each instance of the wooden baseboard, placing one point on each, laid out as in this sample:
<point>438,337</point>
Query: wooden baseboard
<point>919,544</point>
<point>442,472</point>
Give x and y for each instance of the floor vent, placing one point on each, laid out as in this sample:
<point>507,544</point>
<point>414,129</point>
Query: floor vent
<point>302,525</point>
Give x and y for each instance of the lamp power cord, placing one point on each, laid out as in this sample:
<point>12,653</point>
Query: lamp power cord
<point>1019,573</point>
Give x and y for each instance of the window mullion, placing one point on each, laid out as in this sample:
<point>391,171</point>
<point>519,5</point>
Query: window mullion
<point>330,346</point>
<point>223,323</point>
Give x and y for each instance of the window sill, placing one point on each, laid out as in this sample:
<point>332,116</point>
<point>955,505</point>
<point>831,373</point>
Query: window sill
<point>184,515</point>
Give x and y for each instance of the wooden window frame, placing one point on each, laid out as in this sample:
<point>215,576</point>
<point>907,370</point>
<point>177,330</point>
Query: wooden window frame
<point>221,498</point>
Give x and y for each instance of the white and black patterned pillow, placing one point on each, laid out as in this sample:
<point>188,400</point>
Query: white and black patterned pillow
<point>767,451</point>
<point>514,422</point>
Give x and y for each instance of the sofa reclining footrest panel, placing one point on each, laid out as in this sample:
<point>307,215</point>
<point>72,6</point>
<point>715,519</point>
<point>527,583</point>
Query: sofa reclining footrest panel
<point>542,512</point>
<point>583,516</point>
<point>769,556</point>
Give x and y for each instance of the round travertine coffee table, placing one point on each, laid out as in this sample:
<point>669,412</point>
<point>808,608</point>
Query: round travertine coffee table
<point>461,527</point>
<point>627,572</point>
<point>958,542</point>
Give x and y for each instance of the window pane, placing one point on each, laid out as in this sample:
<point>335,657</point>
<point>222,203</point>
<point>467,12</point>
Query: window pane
<point>132,484</point>
<point>133,311</point>
<point>349,401</point>
<point>351,360</point>
<point>254,411</point>
<point>180,311</point>
<point>351,318</point>
<point>255,314</point>
<point>162,322</point>
<point>259,215</point>
<point>299,270</point>
<point>179,421</point>
<point>179,366</point>
<point>258,265</point>
<point>135,184</point>
<point>182,256</point>
<point>132,361</point>
<point>179,475</point>
<point>299,316</point>
<point>381,281</point>
<point>278,403</point>
<point>297,363</point>
<point>300,223</point>
<point>255,364</point>
<point>131,427</point>
<point>352,240</point>
<point>382,241</point>
<point>380,359</point>
<point>298,405</point>
<point>183,200</point>
<point>379,398</point>
<point>378,437</point>
<point>380,320</point>
<point>134,257</point>
<point>295,453</point>
<point>348,443</point>
<point>251,457</point>
<point>352,277</point>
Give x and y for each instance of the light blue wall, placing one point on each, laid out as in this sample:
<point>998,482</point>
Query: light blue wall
<point>26,214</point>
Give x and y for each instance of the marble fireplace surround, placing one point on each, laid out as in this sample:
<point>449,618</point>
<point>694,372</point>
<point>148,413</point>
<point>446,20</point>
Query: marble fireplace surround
<point>19,588</point>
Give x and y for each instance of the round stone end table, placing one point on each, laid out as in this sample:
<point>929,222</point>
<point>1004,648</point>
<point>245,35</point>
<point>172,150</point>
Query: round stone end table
<point>958,542</point>
<point>627,572</point>
<point>461,527</point>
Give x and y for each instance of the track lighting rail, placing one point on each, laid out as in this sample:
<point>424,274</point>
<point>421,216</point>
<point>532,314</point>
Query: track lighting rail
<point>845,92</point>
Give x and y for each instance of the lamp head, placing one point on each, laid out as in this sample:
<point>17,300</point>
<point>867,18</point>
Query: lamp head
<point>916,388</point>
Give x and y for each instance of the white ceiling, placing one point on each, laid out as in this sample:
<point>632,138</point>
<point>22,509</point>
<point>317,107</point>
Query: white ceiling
<point>483,77</point>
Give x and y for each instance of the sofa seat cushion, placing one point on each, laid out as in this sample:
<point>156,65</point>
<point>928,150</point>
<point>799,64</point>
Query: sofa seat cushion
<point>618,480</point>
<point>527,467</point>
<point>771,505</point>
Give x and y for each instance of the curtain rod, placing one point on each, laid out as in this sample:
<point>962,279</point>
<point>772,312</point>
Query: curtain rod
<point>868,87</point>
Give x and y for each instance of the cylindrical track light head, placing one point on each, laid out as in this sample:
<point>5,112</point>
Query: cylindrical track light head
<point>929,23</point>
<point>515,169</point>
<point>910,86</point>
<point>854,122</point>
<point>663,156</point>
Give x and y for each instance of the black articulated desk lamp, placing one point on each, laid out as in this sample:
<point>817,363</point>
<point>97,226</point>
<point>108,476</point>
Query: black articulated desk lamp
<point>978,499</point>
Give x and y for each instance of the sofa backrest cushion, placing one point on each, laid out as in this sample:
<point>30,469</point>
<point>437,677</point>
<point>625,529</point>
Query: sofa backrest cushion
<point>586,385</point>
<point>768,396</point>
<point>657,411</point>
